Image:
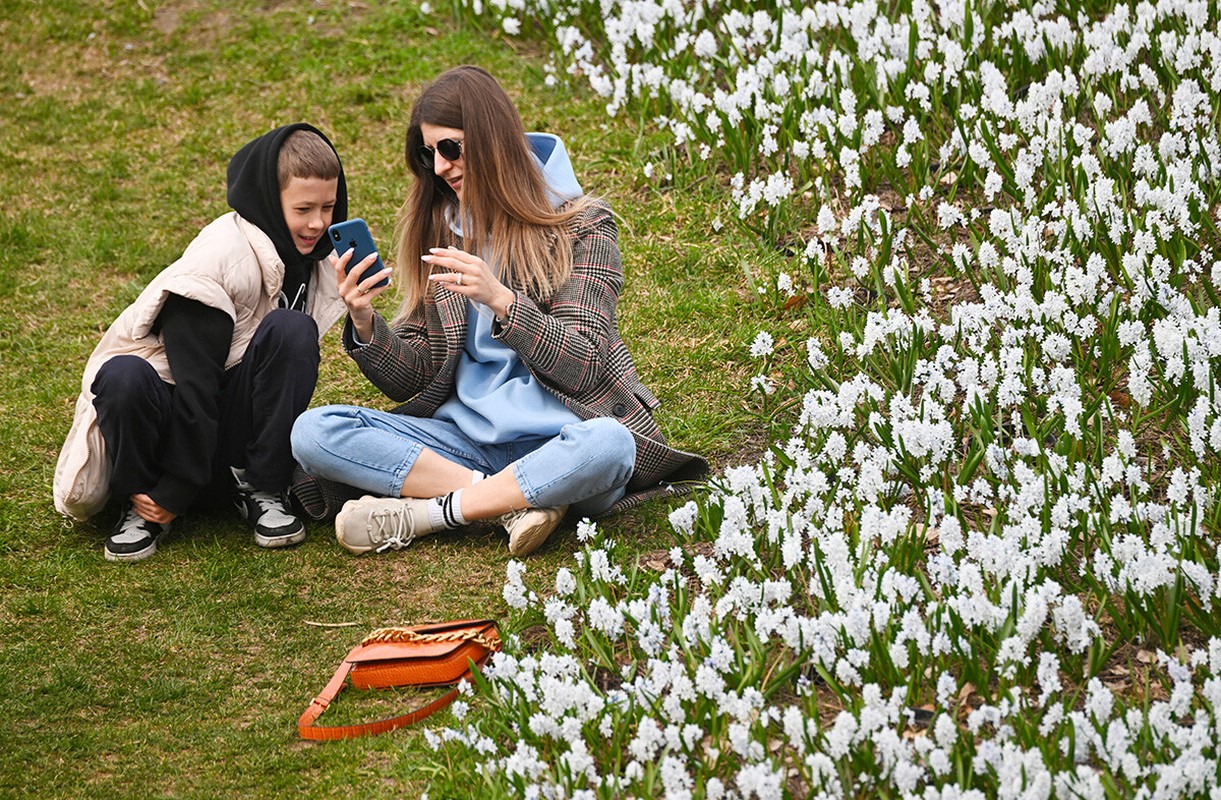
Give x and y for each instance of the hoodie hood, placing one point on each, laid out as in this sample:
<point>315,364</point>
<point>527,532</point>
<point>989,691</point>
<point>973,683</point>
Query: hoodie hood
<point>552,159</point>
<point>562,185</point>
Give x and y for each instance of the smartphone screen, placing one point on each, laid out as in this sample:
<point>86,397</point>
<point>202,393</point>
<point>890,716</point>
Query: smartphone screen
<point>354,234</point>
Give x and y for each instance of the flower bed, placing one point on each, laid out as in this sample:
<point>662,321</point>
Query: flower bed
<point>985,562</point>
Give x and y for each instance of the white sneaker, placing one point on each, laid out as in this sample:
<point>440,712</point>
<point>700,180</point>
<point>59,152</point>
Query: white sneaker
<point>381,523</point>
<point>528,528</point>
<point>274,525</point>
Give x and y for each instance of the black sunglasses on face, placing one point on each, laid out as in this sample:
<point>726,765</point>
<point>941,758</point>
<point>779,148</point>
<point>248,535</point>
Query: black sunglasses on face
<point>450,149</point>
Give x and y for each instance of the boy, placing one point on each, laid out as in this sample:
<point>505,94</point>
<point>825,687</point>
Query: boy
<point>198,382</point>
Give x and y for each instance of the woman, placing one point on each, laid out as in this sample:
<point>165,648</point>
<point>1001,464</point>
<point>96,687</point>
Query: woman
<point>518,398</point>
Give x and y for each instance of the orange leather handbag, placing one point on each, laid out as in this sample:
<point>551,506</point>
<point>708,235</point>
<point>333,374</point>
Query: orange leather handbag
<point>418,655</point>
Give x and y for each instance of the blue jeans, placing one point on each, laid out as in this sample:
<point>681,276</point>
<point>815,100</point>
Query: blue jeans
<point>588,465</point>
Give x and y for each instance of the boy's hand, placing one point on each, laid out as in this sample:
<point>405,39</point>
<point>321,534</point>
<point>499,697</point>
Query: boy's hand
<point>357,294</point>
<point>148,508</point>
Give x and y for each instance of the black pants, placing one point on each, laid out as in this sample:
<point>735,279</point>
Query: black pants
<point>261,398</point>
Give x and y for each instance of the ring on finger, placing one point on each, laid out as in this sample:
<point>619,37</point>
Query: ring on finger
<point>459,278</point>
<point>363,290</point>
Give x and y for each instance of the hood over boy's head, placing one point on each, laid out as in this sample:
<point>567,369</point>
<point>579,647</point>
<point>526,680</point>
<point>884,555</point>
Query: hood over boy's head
<point>265,165</point>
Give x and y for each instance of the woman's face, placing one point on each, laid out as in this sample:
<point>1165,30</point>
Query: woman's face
<point>448,171</point>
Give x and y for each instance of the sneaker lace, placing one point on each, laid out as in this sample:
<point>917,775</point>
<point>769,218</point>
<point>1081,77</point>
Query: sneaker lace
<point>267,501</point>
<point>131,520</point>
<point>509,517</point>
<point>134,527</point>
<point>134,524</point>
<point>394,528</point>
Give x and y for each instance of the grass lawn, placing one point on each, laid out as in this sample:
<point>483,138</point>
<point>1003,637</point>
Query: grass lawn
<point>184,675</point>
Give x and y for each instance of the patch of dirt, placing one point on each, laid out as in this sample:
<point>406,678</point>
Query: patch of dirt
<point>200,28</point>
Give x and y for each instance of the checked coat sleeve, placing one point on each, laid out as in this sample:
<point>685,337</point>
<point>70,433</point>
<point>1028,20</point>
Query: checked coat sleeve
<point>404,361</point>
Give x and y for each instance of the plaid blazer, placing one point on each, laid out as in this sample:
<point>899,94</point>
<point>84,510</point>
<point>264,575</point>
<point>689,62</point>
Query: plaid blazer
<point>569,342</point>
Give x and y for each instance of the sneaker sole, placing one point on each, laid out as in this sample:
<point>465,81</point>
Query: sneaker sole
<point>138,555</point>
<point>273,542</point>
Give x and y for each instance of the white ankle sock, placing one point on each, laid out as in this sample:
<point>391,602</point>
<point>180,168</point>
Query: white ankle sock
<point>446,511</point>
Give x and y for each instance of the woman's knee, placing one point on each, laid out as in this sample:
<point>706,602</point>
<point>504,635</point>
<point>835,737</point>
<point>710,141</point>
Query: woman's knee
<point>612,443</point>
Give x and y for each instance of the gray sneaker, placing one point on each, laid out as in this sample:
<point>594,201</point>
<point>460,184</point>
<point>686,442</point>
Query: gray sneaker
<point>134,538</point>
<point>267,512</point>
<point>528,528</point>
<point>381,523</point>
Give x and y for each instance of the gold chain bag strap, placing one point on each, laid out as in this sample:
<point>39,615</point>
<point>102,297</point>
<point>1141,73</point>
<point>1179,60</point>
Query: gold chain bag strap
<point>417,655</point>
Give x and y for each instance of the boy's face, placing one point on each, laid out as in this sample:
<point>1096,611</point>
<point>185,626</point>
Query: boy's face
<point>308,204</point>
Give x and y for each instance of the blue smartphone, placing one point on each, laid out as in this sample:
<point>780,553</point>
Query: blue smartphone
<point>354,235</point>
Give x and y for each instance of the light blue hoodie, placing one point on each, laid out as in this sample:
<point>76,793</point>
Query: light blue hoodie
<point>496,399</point>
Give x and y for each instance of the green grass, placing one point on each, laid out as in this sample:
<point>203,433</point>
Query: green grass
<point>184,675</point>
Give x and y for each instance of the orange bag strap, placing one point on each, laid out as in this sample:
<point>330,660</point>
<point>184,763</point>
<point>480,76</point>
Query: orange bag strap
<point>306,726</point>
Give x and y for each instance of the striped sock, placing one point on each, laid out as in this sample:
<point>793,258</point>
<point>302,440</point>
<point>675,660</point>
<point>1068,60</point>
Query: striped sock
<point>446,511</point>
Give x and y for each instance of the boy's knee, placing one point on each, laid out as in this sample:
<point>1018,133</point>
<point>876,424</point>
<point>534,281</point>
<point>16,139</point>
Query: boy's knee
<point>124,376</point>
<point>289,327</point>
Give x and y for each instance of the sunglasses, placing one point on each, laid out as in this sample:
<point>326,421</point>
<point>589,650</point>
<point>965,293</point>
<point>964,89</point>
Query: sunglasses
<point>450,149</point>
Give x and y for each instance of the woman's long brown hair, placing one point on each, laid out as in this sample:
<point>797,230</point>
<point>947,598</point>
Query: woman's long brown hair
<point>506,216</point>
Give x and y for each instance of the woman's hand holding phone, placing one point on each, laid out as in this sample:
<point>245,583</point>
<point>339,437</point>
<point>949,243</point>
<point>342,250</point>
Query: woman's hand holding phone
<point>358,294</point>
<point>361,281</point>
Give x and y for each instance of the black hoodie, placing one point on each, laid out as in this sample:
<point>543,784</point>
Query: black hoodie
<point>197,337</point>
